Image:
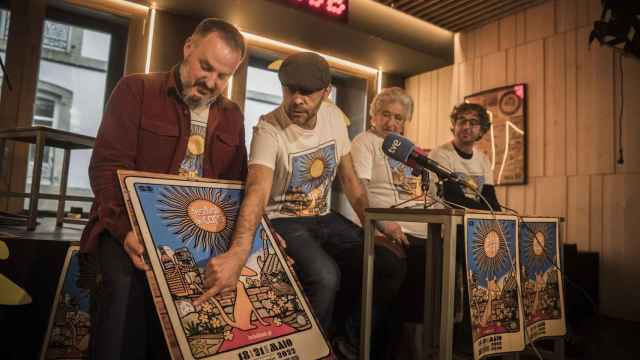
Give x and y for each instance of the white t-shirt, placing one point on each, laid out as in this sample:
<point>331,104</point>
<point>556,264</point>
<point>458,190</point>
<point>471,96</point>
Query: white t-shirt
<point>476,170</point>
<point>305,162</point>
<point>390,181</point>
<point>192,164</point>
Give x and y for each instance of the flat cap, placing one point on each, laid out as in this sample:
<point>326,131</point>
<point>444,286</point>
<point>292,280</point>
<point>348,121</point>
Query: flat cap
<point>306,71</point>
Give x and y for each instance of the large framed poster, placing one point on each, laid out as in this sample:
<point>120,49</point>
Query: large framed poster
<point>505,144</point>
<point>542,288</point>
<point>183,223</point>
<point>491,251</point>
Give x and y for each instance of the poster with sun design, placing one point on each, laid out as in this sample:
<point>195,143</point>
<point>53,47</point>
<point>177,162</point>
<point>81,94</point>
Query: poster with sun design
<point>312,172</point>
<point>406,184</point>
<point>491,251</point>
<point>185,222</point>
<point>68,334</point>
<point>542,289</point>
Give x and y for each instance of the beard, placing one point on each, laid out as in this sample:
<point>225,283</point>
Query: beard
<point>300,115</point>
<point>199,94</point>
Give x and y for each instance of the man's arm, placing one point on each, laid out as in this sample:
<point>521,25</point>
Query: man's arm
<point>116,148</point>
<point>357,196</point>
<point>222,272</point>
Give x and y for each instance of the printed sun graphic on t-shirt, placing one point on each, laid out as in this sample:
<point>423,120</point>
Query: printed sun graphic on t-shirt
<point>406,184</point>
<point>310,181</point>
<point>476,180</point>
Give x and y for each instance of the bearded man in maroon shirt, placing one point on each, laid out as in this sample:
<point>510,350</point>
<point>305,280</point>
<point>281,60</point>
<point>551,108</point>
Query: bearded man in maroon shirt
<point>172,122</point>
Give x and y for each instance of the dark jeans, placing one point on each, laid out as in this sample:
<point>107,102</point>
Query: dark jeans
<point>327,251</point>
<point>124,323</point>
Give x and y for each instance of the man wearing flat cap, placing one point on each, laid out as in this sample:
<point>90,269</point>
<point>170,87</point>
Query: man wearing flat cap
<point>296,152</point>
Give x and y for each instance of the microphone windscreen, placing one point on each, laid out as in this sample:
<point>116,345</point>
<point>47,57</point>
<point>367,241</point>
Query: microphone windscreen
<point>397,147</point>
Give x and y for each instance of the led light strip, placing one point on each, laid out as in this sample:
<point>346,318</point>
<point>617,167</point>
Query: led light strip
<point>152,28</point>
<point>333,59</point>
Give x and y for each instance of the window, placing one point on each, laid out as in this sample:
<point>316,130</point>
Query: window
<point>5,18</point>
<point>81,59</point>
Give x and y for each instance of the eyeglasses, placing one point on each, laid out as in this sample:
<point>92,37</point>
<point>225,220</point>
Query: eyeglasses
<point>461,121</point>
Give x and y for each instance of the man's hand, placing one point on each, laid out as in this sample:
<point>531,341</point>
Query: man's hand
<point>221,274</point>
<point>393,231</point>
<point>134,248</point>
<point>283,245</point>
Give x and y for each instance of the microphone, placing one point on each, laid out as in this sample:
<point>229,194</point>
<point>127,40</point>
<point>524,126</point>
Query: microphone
<point>403,150</point>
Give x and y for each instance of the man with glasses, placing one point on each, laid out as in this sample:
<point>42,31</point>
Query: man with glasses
<point>296,152</point>
<point>469,122</point>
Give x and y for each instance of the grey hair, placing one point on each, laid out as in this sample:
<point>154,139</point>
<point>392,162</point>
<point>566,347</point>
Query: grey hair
<point>391,95</point>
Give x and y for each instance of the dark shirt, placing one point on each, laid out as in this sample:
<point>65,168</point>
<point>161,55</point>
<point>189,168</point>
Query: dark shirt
<point>145,127</point>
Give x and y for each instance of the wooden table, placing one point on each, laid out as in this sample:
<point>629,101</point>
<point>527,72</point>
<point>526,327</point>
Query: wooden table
<point>43,136</point>
<point>440,269</point>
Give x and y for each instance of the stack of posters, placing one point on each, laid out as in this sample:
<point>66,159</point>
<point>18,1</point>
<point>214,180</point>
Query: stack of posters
<point>514,283</point>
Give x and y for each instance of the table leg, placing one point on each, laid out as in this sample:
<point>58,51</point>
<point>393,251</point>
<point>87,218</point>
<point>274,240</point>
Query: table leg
<point>367,290</point>
<point>448,290</point>
<point>63,187</point>
<point>430,291</point>
<point>35,182</point>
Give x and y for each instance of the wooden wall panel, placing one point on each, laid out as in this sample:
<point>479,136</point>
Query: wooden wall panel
<point>530,69</point>
<point>466,78</point>
<point>551,196</point>
<point>595,10</point>
<point>540,21</point>
<point>603,109</point>
<point>521,25</point>
<point>596,199</point>
<point>613,272</point>
<point>516,198</point>
<point>511,66</point>
<point>571,103</point>
<point>631,254</point>
<point>487,39</point>
<point>477,75</point>
<point>412,88</point>
<point>501,194</point>
<point>578,211</point>
<point>507,32</point>
<point>493,72</point>
<point>585,111</point>
<point>555,106</point>
<point>464,46</point>
<point>582,13</point>
<point>445,104</point>
<point>565,15</point>
<point>631,114</point>
<point>530,197</point>
<point>426,112</point>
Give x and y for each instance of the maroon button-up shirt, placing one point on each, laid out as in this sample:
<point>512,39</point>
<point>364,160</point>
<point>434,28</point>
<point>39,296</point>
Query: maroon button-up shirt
<point>145,127</point>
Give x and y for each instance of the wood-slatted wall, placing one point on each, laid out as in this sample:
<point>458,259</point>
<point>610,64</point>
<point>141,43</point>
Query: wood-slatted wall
<point>574,105</point>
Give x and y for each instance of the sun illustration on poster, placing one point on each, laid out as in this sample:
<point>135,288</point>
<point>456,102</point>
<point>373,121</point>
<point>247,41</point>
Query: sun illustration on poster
<point>489,251</point>
<point>314,168</point>
<point>537,247</point>
<point>204,216</point>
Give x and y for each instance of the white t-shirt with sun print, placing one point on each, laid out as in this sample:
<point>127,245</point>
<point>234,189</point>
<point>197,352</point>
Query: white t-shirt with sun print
<point>304,162</point>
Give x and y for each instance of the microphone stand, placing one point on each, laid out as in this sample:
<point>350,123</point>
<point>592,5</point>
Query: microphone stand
<point>424,186</point>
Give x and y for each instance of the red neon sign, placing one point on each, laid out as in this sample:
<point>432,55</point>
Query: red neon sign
<point>333,9</point>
